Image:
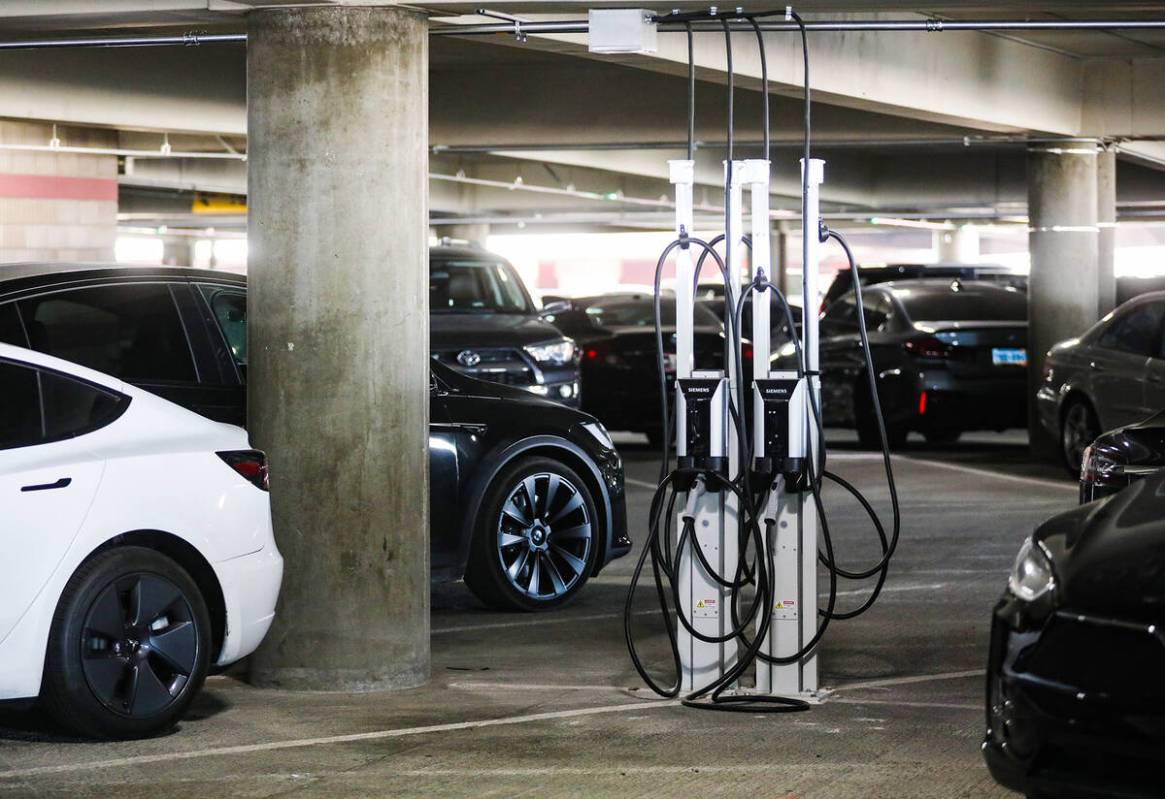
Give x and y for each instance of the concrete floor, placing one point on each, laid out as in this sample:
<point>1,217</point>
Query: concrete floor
<point>549,705</point>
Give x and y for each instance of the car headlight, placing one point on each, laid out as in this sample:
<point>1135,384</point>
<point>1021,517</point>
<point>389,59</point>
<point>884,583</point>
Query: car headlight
<point>599,433</point>
<point>1032,576</point>
<point>555,352</point>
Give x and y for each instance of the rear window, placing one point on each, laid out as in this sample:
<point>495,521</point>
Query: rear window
<point>42,406</point>
<point>966,305</point>
<point>637,313</point>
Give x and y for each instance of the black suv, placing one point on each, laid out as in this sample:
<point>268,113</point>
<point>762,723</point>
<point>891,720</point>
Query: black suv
<point>181,334</point>
<point>483,324</point>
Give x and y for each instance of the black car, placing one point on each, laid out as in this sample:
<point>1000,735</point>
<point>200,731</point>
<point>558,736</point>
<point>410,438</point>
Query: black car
<point>483,323</point>
<point>1004,276</point>
<point>1075,699</point>
<point>949,355</point>
<point>620,372</point>
<point>526,495</point>
<point>1122,456</point>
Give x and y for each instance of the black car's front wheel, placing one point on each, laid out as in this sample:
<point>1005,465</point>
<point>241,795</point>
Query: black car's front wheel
<point>1079,427</point>
<point>129,646</point>
<point>537,539</point>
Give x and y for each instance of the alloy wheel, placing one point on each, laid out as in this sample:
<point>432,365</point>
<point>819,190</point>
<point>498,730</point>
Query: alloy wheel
<point>139,645</point>
<point>544,536</point>
<point>1077,433</point>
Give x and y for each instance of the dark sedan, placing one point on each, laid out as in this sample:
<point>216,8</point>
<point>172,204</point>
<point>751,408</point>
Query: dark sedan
<point>620,372</point>
<point>1075,699</point>
<point>526,495</point>
<point>949,355</point>
<point>1111,376</point>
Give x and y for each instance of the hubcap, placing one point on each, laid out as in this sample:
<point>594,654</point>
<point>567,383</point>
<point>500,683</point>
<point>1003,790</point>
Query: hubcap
<point>1078,433</point>
<point>544,536</point>
<point>139,645</point>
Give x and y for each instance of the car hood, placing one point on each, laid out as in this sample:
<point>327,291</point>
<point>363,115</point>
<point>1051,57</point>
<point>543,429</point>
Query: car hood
<point>454,330</point>
<point>1140,445</point>
<point>1109,555</point>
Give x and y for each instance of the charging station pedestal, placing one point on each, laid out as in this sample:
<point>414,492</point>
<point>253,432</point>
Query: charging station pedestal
<point>784,433</point>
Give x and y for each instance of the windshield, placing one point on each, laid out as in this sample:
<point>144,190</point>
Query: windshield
<point>967,305</point>
<point>476,287</point>
<point>639,313</point>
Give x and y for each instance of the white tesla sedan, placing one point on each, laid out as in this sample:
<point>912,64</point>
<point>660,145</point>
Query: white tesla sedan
<point>135,547</point>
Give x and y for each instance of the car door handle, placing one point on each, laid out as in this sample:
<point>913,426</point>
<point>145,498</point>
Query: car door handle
<point>1094,366</point>
<point>1154,378</point>
<point>62,483</point>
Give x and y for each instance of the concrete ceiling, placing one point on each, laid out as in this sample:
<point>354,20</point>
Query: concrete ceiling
<point>910,123</point>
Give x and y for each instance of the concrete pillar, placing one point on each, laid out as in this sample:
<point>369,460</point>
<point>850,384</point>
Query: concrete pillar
<point>472,233</point>
<point>56,206</point>
<point>178,251</point>
<point>1063,240</point>
<point>1106,237</point>
<point>337,118</point>
<point>958,246</point>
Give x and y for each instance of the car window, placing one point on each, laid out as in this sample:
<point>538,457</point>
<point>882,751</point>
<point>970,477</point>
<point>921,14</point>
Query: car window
<point>229,307</point>
<point>11,331</point>
<point>476,286</point>
<point>20,417</point>
<point>840,318</point>
<point>641,313</point>
<point>965,304</point>
<point>129,331</point>
<point>41,406</point>
<point>1137,332</point>
<point>879,312</point>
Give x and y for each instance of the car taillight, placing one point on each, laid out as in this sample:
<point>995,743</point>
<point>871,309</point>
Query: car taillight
<point>746,350</point>
<point>927,347</point>
<point>251,464</point>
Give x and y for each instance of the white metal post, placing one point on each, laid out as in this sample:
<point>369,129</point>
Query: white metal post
<point>682,177</point>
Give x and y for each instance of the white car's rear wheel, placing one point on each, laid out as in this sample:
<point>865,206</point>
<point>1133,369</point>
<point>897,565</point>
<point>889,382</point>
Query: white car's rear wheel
<point>129,647</point>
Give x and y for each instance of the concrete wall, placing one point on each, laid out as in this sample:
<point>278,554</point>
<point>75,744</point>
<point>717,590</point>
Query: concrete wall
<point>56,206</point>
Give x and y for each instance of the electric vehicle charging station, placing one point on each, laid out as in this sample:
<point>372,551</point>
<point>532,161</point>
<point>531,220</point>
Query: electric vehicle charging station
<point>738,475</point>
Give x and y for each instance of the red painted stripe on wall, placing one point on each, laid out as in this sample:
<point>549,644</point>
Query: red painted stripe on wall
<point>57,187</point>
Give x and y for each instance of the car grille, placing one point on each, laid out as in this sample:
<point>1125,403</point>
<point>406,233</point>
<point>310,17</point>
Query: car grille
<point>505,366</point>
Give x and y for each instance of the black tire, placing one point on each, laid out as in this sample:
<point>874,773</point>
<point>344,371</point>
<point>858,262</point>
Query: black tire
<point>110,670</point>
<point>1079,427</point>
<point>942,436</point>
<point>538,540</point>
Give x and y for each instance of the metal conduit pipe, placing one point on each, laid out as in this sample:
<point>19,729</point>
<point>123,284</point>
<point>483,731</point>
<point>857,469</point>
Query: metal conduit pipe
<point>196,38</point>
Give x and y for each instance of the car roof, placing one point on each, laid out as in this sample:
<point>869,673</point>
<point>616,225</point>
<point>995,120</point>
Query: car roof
<point>20,276</point>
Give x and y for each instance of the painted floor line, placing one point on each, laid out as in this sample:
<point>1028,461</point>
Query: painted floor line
<point>838,700</point>
<point>1036,481</point>
<point>501,625</point>
<point>889,589</point>
<point>631,481</point>
<point>914,680</point>
<point>299,743</point>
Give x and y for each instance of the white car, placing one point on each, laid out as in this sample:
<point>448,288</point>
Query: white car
<point>136,547</point>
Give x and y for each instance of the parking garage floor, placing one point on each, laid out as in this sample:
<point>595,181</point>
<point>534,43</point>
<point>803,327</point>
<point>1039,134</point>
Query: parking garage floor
<point>549,705</point>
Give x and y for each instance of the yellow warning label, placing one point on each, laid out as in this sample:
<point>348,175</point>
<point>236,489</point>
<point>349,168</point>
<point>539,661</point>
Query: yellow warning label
<point>700,604</point>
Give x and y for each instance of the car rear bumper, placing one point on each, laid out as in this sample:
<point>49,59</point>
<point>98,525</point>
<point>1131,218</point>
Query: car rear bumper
<point>965,404</point>
<point>1073,707</point>
<point>250,587</point>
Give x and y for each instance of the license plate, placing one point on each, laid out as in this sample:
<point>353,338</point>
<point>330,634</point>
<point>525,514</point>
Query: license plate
<point>1002,356</point>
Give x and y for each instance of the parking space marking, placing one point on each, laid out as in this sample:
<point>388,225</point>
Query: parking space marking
<point>914,680</point>
<point>837,700</point>
<point>501,625</point>
<point>299,743</point>
<point>1014,478</point>
<point>631,481</point>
